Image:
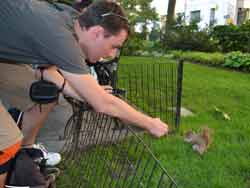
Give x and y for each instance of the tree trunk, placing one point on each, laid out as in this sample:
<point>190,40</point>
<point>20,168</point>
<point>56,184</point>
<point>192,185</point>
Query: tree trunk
<point>171,12</point>
<point>169,18</point>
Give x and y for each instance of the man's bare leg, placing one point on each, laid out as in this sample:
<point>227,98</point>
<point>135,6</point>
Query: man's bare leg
<point>33,120</point>
<point>2,179</point>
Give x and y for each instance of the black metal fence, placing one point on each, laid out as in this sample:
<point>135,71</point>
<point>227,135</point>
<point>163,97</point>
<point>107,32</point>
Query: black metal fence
<point>100,151</point>
<point>154,88</point>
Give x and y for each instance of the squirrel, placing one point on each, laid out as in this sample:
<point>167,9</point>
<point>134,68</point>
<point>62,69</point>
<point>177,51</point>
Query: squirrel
<point>200,141</point>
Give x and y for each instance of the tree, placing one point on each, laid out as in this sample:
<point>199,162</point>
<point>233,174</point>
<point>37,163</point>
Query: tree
<point>140,13</point>
<point>171,12</point>
<point>169,20</point>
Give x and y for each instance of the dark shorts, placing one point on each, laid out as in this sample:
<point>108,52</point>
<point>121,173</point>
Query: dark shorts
<point>7,155</point>
<point>5,167</point>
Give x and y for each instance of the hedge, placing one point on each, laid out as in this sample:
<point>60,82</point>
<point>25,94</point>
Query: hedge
<point>234,60</point>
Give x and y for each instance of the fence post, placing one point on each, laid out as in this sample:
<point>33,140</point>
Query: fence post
<point>179,93</point>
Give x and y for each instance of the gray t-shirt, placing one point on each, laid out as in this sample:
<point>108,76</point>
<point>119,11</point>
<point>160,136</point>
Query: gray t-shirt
<point>35,32</point>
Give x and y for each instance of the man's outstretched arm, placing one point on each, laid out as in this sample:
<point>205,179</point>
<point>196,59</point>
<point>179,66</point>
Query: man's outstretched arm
<point>87,88</point>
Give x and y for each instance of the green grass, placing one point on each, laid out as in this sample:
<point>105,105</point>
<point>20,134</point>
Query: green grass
<point>227,162</point>
<point>150,84</point>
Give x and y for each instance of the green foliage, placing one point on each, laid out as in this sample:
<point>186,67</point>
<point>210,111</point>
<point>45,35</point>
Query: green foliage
<point>132,46</point>
<point>155,33</point>
<point>225,38</point>
<point>233,37</point>
<point>137,46</point>
<point>139,11</point>
<point>215,58</point>
<point>226,163</point>
<point>237,60</point>
<point>189,37</point>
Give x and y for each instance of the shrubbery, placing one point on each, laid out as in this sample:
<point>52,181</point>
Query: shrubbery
<point>232,37</point>
<point>237,60</point>
<point>133,45</point>
<point>222,38</point>
<point>215,58</point>
<point>189,37</point>
<point>190,43</point>
<point>138,46</point>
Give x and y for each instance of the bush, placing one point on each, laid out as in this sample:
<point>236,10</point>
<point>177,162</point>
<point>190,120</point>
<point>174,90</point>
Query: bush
<point>138,46</point>
<point>133,45</point>
<point>189,37</point>
<point>200,57</point>
<point>237,60</point>
<point>233,37</point>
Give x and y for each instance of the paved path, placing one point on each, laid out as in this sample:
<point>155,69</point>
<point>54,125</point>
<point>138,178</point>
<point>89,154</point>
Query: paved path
<point>14,91</point>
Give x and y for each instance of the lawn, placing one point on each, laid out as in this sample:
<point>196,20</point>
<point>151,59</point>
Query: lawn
<point>227,162</point>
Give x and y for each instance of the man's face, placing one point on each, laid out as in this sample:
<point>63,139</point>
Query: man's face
<point>101,45</point>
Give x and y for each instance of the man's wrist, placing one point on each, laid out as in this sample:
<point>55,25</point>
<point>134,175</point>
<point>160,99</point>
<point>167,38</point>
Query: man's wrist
<point>148,123</point>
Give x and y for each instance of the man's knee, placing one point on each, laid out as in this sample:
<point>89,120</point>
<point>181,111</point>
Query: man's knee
<point>9,132</point>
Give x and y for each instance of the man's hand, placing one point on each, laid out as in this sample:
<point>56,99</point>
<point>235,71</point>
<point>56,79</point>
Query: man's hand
<point>158,128</point>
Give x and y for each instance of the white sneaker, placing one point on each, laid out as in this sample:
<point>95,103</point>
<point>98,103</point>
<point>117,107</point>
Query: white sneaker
<point>52,158</point>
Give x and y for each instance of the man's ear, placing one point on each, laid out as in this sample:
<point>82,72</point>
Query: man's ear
<point>77,27</point>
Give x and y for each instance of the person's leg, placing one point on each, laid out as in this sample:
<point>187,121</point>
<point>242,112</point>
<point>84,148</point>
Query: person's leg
<point>2,179</point>
<point>33,119</point>
<point>30,123</point>
<point>10,141</point>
